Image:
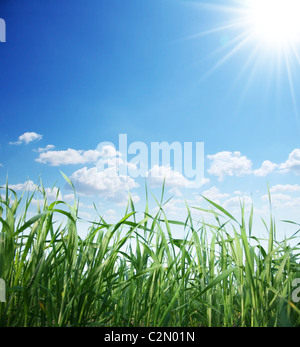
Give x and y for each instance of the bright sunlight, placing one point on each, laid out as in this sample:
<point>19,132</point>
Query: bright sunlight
<point>268,29</point>
<point>275,21</point>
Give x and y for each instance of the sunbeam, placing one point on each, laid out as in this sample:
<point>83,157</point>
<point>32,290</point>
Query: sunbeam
<point>269,29</point>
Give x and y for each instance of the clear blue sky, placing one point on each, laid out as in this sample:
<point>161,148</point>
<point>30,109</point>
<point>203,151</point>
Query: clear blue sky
<point>82,72</point>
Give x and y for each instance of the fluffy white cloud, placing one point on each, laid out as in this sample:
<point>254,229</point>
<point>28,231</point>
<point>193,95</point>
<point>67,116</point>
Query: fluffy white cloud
<point>135,198</point>
<point>157,174</point>
<point>293,162</point>
<point>173,179</point>
<point>68,157</point>
<point>234,164</point>
<point>103,179</point>
<point>27,186</point>
<point>84,215</point>
<point>231,202</point>
<point>69,197</point>
<point>27,138</point>
<point>110,212</point>
<point>174,207</point>
<point>266,168</point>
<point>51,193</point>
<point>108,151</point>
<point>229,164</point>
<point>276,197</point>
<point>235,202</point>
<point>107,183</point>
<point>289,188</point>
<point>111,216</point>
<point>282,201</point>
<point>107,156</point>
<point>44,149</point>
<point>175,191</point>
<point>215,195</point>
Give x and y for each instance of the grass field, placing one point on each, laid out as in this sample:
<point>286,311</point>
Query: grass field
<point>135,273</point>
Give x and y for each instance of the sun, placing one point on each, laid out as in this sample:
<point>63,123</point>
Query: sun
<point>276,22</point>
<point>265,33</point>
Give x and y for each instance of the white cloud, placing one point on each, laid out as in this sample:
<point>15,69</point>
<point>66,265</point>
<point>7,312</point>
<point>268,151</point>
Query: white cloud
<point>44,149</point>
<point>293,162</point>
<point>69,197</point>
<point>279,188</point>
<point>110,213</point>
<point>27,186</point>
<point>174,207</point>
<point>1,165</point>
<point>53,193</point>
<point>110,216</point>
<point>231,202</point>
<point>229,164</point>
<point>27,138</point>
<point>236,201</point>
<point>84,215</point>
<point>215,195</point>
<point>68,157</point>
<point>173,179</point>
<point>107,156</point>
<point>276,197</point>
<point>234,164</point>
<point>107,183</point>
<point>157,174</point>
<point>135,198</point>
<point>237,192</point>
<point>103,180</point>
<point>109,151</point>
<point>175,191</point>
<point>282,201</point>
<point>205,181</point>
<point>266,168</point>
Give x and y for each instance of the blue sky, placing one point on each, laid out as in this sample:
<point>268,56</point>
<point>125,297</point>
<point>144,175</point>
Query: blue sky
<point>77,73</point>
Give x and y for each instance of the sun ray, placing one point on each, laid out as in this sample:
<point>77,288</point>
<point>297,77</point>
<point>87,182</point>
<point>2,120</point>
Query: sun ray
<point>292,88</point>
<point>251,64</point>
<point>296,53</point>
<point>270,29</point>
<point>242,40</point>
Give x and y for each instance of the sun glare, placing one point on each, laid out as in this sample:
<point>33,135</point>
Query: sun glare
<point>269,30</point>
<point>276,22</point>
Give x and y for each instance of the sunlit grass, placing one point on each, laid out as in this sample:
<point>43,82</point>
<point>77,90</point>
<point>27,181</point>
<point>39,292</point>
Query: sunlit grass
<point>135,273</point>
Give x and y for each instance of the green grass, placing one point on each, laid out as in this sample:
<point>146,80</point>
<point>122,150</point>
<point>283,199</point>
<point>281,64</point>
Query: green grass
<point>135,273</point>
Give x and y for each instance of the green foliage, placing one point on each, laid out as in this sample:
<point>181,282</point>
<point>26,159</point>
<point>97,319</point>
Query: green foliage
<point>135,273</point>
